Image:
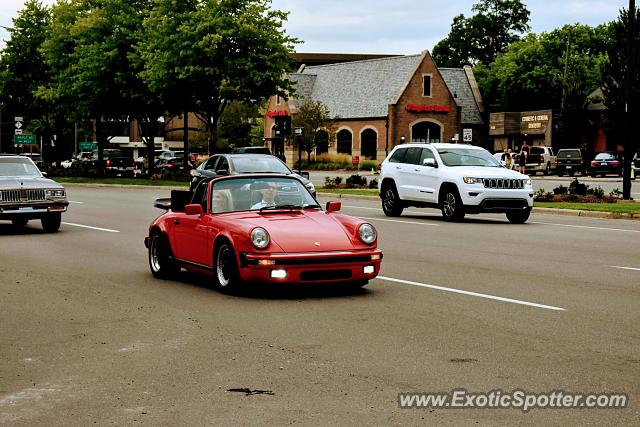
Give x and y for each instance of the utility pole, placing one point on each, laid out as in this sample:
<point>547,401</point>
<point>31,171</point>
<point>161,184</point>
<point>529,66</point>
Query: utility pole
<point>629,107</point>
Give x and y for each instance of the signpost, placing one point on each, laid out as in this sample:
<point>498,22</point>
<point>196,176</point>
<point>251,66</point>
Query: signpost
<point>298,135</point>
<point>355,160</point>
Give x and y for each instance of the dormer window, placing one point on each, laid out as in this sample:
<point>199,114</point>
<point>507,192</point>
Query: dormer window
<point>426,85</point>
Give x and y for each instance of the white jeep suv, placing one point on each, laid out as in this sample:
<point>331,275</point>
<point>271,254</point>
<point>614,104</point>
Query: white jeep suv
<point>456,178</point>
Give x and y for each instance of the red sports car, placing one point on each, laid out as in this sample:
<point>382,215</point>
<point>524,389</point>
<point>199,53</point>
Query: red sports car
<point>260,229</point>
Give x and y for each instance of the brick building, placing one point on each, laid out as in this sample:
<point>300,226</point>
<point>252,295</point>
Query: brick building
<point>379,103</point>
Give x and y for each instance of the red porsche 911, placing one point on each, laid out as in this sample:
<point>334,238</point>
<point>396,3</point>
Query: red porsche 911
<point>260,229</point>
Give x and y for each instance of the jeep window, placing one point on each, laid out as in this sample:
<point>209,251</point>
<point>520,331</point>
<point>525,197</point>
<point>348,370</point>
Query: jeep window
<point>13,166</point>
<point>564,154</point>
<point>412,157</point>
<point>426,154</point>
<point>398,156</point>
<point>467,157</point>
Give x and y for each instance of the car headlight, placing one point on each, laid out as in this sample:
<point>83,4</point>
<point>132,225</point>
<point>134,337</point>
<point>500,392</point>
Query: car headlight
<point>471,180</point>
<point>527,182</point>
<point>259,238</point>
<point>367,233</point>
<point>55,193</point>
<point>310,187</point>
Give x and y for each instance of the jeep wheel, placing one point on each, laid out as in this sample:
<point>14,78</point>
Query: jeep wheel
<point>51,222</point>
<point>451,205</point>
<point>518,217</point>
<point>159,251</point>
<point>391,203</point>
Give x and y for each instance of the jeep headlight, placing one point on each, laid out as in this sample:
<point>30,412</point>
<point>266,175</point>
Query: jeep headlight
<point>471,180</point>
<point>527,182</point>
<point>367,233</point>
<point>310,187</point>
<point>259,238</point>
<point>55,193</point>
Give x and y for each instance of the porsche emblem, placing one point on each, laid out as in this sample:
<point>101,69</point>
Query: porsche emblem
<point>316,244</point>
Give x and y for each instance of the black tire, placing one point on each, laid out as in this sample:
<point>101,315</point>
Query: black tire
<point>547,170</point>
<point>20,222</point>
<point>518,217</point>
<point>159,254</point>
<point>226,278</point>
<point>51,222</point>
<point>451,205</point>
<point>593,175</point>
<point>560,173</point>
<point>391,203</point>
<point>571,173</point>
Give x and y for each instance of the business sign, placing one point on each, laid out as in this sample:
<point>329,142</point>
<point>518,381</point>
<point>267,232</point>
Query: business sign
<point>427,108</point>
<point>23,139</point>
<point>277,113</point>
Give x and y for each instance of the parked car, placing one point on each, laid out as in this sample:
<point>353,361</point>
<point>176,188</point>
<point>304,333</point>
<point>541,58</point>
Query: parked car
<point>455,178</point>
<point>233,164</point>
<point>36,157</point>
<point>498,156</point>
<point>572,160</point>
<point>219,230</point>
<point>606,163</point>
<point>541,159</point>
<point>636,164</point>
<point>116,163</point>
<point>172,163</point>
<point>25,194</point>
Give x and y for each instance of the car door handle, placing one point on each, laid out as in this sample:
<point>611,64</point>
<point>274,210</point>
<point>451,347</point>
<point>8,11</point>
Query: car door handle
<point>176,221</point>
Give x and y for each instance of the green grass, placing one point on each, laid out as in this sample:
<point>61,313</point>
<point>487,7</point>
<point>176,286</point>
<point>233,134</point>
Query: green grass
<point>624,207</point>
<point>120,181</point>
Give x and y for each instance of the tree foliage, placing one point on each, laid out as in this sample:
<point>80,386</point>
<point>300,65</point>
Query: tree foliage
<point>480,38</point>
<point>312,117</point>
<point>201,55</point>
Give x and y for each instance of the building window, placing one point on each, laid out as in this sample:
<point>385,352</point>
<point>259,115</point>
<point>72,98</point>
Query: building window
<point>425,132</point>
<point>369,144</point>
<point>322,142</point>
<point>344,142</point>
<point>426,85</point>
<point>277,99</point>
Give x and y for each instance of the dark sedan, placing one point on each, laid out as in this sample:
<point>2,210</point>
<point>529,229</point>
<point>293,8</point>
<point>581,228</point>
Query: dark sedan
<point>606,163</point>
<point>234,164</point>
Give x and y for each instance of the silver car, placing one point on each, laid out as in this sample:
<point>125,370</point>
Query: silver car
<point>26,194</point>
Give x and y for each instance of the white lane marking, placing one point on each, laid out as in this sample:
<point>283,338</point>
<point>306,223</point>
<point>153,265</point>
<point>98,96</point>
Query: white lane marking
<point>586,226</point>
<point>398,221</point>
<point>92,228</point>
<point>625,268</point>
<point>77,203</point>
<point>473,294</point>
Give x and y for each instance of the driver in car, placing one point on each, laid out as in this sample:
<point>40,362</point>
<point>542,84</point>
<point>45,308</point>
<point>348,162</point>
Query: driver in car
<point>269,191</point>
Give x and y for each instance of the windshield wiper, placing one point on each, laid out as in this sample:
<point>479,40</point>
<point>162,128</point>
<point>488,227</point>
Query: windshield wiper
<point>287,206</point>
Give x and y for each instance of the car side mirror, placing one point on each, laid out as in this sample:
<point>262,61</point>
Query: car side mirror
<point>222,172</point>
<point>333,207</point>
<point>430,163</point>
<point>194,209</point>
<point>43,173</point>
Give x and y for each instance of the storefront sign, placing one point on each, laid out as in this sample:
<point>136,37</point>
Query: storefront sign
<point>277,113</point>
<point>427,108</point>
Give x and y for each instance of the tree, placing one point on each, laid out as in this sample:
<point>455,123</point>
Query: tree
<point>23,69</point>
<point>312,116</point>
<point>621,88</point>
<point>202,55</point>
<point>237,123</point>
<point>480,38</point>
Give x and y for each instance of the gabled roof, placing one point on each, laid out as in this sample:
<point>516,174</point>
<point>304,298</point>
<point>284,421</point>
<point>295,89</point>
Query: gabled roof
<point>364,89</point>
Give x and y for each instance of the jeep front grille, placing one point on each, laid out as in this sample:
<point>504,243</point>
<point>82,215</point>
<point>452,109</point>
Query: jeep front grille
<point>21,195</point>
<point>503,183</point>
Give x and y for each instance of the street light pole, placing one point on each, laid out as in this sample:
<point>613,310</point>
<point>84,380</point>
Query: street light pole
<point>629,107</point>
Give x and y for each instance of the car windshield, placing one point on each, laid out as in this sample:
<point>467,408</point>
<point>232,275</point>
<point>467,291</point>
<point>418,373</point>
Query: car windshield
<point>13,166</point>
<point>266,164</point>
<point>468,157</point>
<point>260,194</point>
<point>605,156</point>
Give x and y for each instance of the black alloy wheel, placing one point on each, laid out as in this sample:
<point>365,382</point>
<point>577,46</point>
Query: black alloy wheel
<point>159,262</point>
<point>391,203</point>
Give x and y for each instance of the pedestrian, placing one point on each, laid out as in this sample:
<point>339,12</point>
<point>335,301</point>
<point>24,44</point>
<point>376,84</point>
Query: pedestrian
<point>506,158</point>
<point>522,157</point>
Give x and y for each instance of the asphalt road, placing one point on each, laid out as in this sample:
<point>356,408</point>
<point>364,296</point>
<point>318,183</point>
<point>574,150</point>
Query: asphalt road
<point>88,336</point>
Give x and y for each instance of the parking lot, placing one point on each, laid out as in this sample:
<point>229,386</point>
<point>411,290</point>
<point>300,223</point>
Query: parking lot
<point>89,336</point>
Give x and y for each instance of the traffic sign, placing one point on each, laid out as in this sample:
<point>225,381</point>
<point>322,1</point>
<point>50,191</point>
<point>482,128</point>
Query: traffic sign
<point>467,135</point>
<point>18,131</point>
<point>87,146</point>
<point>18,125</point>
<point>355,160</point>
<point>20,139</point>
<point>299,131</point>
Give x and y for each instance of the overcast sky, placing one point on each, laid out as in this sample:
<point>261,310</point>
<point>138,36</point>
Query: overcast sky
<point>394,27</point>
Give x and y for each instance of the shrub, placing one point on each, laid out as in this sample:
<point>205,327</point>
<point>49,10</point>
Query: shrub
<point>561,189</point>
<point>373,183</point>
<point>356,181</point>
<point>615,193</point>
<point>543,196</point>
<point>598,192</point>
<point>578,188</point>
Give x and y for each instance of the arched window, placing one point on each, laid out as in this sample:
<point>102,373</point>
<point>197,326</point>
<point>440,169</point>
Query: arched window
<point>322,142</point>
<point>425,132</point>
<point>369,144</point>
<point>344,142</point>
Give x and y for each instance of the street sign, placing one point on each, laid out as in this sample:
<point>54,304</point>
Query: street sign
<point>18,131</point>
<point>467,135</point>
<point>87,146</point>
<point>299,131</point>
<point>20,139</point>
<point>355,160</point>
<point>18,125</point>
<point>18,119</point>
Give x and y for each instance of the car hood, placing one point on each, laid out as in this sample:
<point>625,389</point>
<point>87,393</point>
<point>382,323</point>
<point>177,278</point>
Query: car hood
<point>12,182</point>
<point>487,172</point>
<point>304,231</point>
